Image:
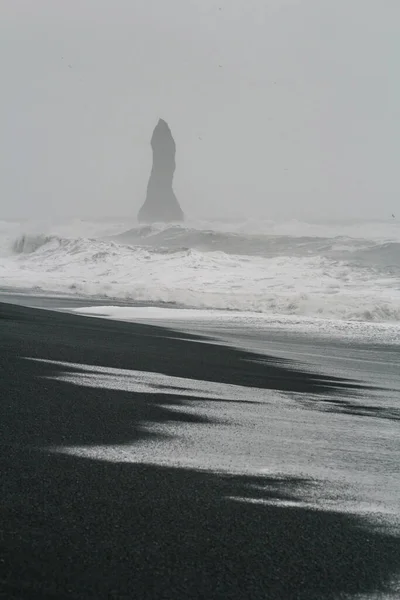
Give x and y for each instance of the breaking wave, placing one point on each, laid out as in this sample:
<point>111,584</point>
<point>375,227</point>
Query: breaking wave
<point>335,277</point>
<point>25,244</point>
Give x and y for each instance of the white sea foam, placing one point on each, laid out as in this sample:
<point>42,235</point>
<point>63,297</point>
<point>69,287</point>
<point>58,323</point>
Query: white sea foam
<point>293,268</point>
<point>271,434</point>
<point>220,321</point>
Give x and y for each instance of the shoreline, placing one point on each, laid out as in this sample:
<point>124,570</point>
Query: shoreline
<point>300,327</point>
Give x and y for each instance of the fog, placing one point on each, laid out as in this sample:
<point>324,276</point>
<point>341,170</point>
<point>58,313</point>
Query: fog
<point>279,108</point>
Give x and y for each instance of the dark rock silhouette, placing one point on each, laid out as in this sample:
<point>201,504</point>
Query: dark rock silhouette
<point>161,203</point>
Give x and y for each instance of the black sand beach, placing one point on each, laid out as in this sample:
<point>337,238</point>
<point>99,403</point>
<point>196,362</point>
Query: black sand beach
<point>75,527</point>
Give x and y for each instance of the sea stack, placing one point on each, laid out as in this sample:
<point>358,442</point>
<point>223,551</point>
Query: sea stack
<point>161,204</point>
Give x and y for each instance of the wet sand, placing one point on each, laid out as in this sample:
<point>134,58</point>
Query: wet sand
<point>141,522</point>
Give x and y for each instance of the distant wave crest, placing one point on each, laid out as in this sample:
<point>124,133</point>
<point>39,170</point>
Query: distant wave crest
<point>358,250</point>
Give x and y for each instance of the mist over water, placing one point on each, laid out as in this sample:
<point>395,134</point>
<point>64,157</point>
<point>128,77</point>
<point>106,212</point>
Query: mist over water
<point>335,270</point>
<point>272,119</point>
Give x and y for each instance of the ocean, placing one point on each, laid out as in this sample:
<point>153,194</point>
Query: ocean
<point>336,271</point>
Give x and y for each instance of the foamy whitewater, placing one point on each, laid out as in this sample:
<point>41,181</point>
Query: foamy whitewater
<point>339,271</point>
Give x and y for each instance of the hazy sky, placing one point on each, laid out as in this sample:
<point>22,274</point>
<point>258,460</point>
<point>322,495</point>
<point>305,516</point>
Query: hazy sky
<point>278,107</point>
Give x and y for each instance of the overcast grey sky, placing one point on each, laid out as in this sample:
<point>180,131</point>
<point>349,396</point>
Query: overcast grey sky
<point>278,107</point>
